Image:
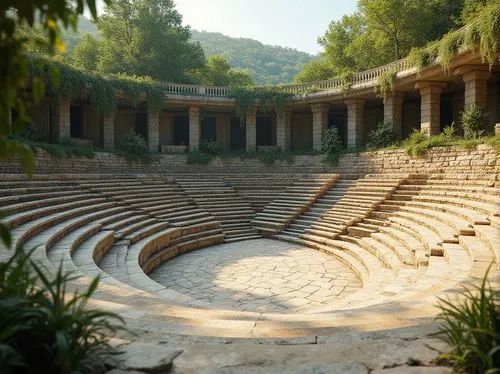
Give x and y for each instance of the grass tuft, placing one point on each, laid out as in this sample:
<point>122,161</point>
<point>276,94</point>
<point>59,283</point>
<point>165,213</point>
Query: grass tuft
<point>471,326</point>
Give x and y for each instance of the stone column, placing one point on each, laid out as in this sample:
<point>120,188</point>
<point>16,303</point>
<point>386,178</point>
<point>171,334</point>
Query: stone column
<point>109,131</point>
<point>284,130</point>
<point>251,129</point>
<point>62,121</point>
<point>430,106</point>
<point>355,122</point>
<point>320,123</point>
<point>476,84</point>
<point>194,128</point>
<point>393,112</point>
<point>153,132</point>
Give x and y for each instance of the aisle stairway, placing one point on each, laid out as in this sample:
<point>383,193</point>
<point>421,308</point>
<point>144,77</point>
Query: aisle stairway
<point>260,190</point>
<point>292,202</point>
<point>214,195</point>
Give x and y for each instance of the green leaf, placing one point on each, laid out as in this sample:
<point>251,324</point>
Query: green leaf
<point>5,235</point>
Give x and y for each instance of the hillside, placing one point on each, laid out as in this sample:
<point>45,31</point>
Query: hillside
<point>269,64</point>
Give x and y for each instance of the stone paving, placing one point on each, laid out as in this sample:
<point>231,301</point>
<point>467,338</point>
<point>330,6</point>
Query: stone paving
<point>259,275</point>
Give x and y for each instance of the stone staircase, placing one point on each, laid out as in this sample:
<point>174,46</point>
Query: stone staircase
<point>316,211</point>
<point>260,190</point>
<point>421,237</point>
<point>292,202</point>
<point>214,195</point>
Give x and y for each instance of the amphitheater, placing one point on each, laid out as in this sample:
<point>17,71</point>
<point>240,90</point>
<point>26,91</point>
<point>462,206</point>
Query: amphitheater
<point>305,267</point>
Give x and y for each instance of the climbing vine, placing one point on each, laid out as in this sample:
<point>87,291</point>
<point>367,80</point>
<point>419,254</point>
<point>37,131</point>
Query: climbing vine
<point>385,81</point>
<point>266,98</point>
<point>483,32</point>
<point>72,83</point>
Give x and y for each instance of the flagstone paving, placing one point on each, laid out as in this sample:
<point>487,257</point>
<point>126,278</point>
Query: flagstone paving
<point>259,275</point>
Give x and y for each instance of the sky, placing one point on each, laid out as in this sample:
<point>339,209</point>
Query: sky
<point>287,23</point>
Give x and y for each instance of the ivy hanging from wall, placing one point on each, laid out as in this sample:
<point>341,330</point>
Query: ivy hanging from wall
<point>482,33</point>
<point>72,83</point>
<point>265,98</point>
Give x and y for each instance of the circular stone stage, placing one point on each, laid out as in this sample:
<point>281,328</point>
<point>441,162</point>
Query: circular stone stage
<point>259,276</point>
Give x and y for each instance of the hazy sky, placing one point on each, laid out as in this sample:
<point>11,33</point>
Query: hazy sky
<point>288,23</point>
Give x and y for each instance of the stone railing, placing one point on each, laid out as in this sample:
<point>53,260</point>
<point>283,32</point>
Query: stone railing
<point>194,90</point>
<point>368,77</point>
<point>365,77</point>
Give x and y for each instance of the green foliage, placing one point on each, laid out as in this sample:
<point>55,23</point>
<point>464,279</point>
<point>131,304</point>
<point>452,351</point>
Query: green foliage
<point>449,132</point>
<point>380,31</point>
<point>86,53</point>
<point>218,72</point>
<point>382,136</point>
<point>474,121</point>
<point>266,98</point>
<point>45,328</point>
<point>417,143</point>
<point>267,65</point>
<point>386,80</point>
<point>211,147</point>
<point>72,83</point>
<point>483,30</point>
<point>133,143</point>
<point>147,38</point>
<point>331,144</point>
<point>66,149</point>
<point>471,326</point>
<point>198,158</point>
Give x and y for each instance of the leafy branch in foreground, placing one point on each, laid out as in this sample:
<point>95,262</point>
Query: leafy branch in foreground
<point>472,328</point>
<point>45,328</point>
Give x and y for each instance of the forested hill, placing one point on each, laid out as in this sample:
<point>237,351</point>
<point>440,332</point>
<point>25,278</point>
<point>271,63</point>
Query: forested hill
<point>269,64</point>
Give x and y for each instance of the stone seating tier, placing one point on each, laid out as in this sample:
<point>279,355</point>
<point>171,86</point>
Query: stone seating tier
<point>409,239</point>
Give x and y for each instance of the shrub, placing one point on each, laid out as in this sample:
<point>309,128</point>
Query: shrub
<point>331,144</point>
<point>449,132</point>
<point>474,121</point>
<point>382,136</point>
<point>30,131</point>
<point>211,147</point>
<point>416,143</point>
<point>44,329</point>
<point>198,158</point>
<point>134,144</point>
<point>472,328</point>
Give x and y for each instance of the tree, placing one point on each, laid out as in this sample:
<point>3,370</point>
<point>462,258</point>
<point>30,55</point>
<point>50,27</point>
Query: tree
<point>381,31</point>
<point>86,53</point>
<point>147,38</point>
<point>240,78</point>
<point>316,70</point>
<point>218,72</point>
<point>15,14</point>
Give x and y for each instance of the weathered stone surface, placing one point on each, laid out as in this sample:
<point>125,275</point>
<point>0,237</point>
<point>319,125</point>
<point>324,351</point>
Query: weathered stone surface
<point>361,355</point>
<point>438,160</point>
<point>301,369</point>
<point>146,358</point>
<point>414,370</point>
<point>260,275</point>
<point>120,371</point>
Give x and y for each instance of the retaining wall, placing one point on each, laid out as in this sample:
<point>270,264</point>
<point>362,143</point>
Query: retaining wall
<point>449,160</point>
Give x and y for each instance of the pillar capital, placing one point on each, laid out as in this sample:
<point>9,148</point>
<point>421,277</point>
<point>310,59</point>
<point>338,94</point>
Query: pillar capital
<point>320,107</point>
<point>355,102</point>
<point>430,86</point>
<point>465,69</point>
<point>395,97</point>
<point>194,109</point>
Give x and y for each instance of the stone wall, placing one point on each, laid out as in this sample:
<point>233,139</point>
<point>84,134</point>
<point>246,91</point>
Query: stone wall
<point>484,160</point>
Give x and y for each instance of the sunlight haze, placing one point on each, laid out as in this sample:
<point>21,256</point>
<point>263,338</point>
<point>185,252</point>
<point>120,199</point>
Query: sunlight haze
<point>288,23</point>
